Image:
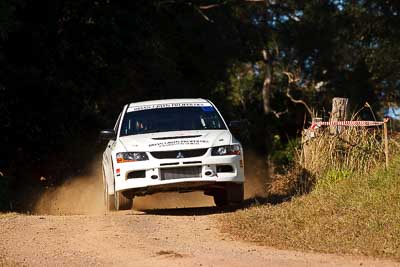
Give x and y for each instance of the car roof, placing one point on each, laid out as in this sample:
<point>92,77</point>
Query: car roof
<point>169,101</point>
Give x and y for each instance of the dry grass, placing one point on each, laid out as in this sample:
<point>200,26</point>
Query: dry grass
<point>358,215</point>
<point>296,181</point>
<point>328,158</point>
<point>354,207</point>
<point>8,215</point>
<point>355,150</point>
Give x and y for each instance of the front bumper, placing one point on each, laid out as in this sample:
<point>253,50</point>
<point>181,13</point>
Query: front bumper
<point>158,174</point>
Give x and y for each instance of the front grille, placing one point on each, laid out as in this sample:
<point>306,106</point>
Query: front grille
<point>179,154</point>
<point>180,173</point>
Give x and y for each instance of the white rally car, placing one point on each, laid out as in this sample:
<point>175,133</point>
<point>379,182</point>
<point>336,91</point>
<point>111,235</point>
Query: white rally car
<point>178,145</point>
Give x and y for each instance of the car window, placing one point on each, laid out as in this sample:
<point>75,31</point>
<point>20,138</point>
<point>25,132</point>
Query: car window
<point>171,119</point>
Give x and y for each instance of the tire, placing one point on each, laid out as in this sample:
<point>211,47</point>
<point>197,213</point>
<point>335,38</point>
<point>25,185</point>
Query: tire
<point>108,199</point>
<point>221,198</point>
<point>122,202</point>
<point>236,193</point>
<point>231,194</point>
<point>118,201</point>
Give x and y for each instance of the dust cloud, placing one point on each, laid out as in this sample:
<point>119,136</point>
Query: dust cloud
<point>84,194</point>
<point>78,195</point>
<point>257,175</point>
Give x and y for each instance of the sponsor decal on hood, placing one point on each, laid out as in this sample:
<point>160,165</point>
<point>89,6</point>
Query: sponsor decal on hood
<point>176,140</point>
<point>180,142</point>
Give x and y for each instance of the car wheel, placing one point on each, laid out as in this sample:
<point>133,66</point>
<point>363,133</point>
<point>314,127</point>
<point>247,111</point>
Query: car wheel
<point>108,199</point>
<point>231,194</point>
<point>221,198</point>
<point>235,193</point>
<point>122,202</point>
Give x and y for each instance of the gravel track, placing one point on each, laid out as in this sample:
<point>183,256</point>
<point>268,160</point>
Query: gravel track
<point>165,237</point>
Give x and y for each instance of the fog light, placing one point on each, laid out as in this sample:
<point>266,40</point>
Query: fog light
<point>224,168</point>
<point>136,174</point>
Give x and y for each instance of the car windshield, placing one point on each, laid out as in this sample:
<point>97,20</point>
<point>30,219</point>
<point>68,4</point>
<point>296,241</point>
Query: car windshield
<point>171,119</point>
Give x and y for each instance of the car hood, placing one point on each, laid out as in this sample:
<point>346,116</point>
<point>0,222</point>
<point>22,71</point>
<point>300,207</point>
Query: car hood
<point>177,140</point>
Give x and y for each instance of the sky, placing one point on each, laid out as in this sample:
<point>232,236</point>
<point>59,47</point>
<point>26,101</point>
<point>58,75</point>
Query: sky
<point>393,112</point>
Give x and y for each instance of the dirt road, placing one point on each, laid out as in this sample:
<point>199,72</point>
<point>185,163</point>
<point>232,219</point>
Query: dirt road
<point>164,233</point>
<point>168,237</point>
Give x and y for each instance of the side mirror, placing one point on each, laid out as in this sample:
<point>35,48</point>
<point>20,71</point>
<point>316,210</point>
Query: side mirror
<point>108,134</point>
<point>235,127</point>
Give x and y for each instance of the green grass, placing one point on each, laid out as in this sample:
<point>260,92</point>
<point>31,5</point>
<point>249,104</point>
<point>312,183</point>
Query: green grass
<point>344,214</point>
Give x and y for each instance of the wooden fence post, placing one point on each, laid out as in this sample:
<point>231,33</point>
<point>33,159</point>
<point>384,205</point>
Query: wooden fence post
<point>385,136</point>
<point>339,113</point>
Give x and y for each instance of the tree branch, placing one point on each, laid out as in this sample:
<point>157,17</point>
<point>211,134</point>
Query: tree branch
<point>256,1</point>
<point>203,15</point>
<point>266,90</point>
<point>292,79</point>
<point>279,114</point>
<point>210,6</point>
<point>205,7</point>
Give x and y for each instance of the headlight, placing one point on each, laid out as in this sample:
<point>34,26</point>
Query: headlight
<point>225,150</point>
<point>131,157</point>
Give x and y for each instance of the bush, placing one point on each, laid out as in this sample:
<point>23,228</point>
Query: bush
<point>284,156</point>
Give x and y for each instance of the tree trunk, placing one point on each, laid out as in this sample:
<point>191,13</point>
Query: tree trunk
<point>266,91</point>
<point>339,113</point>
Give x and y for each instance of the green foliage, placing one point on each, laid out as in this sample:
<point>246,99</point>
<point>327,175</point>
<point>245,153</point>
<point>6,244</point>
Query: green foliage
<point>284,155</point>
<point>332,177</point>
<point>7,17</point>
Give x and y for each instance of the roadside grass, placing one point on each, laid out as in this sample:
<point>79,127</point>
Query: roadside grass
<point>351,215</point>
<point>342,200</point>
<point>354,150</point>
<point>4,215</point>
